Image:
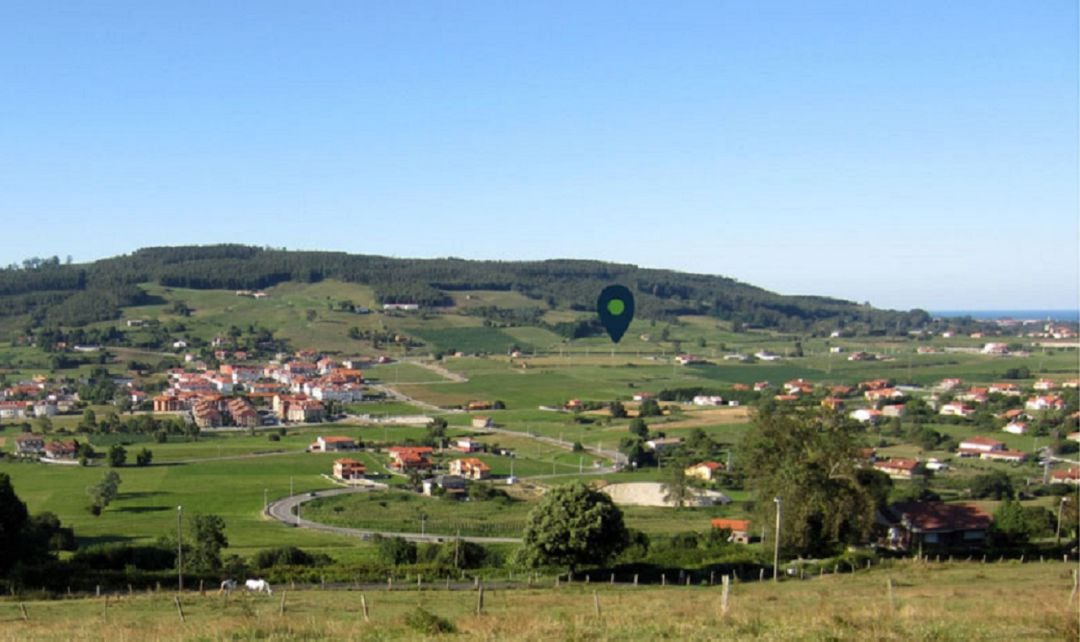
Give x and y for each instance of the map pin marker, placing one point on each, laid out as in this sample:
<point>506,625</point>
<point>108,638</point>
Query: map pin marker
<point>616,309</point>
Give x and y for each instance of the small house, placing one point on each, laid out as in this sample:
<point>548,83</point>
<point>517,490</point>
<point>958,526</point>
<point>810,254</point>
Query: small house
<point>348,469</point>
<point>332,444</point>
<point>704,471</point>
<point>470,468</point>
<point>740,529</point>
<point>915,524</point>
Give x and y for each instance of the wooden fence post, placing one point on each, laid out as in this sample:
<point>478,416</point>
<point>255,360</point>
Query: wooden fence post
<point>281,608</point>
<point>202,589</point>
<point>97,591</point>
<point>25,616</point>
<point>179,609</point>
<point>889,592</point>
<point>480,601</point>
<point>724,595</point>
<point>389,582</point>
<point>663,579</point>
<point>612,579</point>
<point>596,603</point>
<point>363,607</point>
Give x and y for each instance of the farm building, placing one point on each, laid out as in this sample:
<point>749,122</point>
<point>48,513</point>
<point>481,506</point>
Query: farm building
<point>332,444</point>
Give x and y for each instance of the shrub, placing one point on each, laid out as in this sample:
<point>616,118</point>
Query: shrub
<point>423,621</point>
<point>287,556</point>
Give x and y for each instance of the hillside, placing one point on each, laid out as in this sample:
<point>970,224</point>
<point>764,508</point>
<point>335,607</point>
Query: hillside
<point>45,292</point>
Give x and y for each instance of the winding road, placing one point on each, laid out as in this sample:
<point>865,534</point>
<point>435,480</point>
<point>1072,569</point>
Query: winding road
<point>285,511</point>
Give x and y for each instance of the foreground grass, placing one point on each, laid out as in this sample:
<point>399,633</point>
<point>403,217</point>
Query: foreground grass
<point>960,601</point>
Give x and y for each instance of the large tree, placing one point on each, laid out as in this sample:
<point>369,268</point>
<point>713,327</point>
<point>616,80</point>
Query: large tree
<point>809,461</point>
<point>208,535</point>
<point>13,518</point>
<point>573,525</point>
<point>102,493</point>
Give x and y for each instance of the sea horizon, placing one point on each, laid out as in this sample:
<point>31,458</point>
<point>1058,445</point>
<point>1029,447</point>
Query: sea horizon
<point>1072,315</point>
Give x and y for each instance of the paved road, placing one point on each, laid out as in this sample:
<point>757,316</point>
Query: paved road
<point>283,510</point>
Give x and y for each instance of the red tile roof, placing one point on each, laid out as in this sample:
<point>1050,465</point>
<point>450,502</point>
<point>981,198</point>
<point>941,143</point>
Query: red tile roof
<point>938,516</point>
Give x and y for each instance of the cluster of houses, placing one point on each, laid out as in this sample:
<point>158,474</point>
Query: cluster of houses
<point>33,446</point>
<point>907,526</point>
<point>35,398</point>
<point>296,391</point>
<point>405,459</point>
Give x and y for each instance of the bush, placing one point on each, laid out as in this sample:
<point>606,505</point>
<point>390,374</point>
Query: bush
<point>424,621</point>
<point>395,550</point>
<point>287,556</point>
<point>118,557</point>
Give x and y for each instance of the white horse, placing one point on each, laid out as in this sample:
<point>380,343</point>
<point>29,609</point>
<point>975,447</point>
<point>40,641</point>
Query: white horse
<point>258,586</point>
<point>227,587</point>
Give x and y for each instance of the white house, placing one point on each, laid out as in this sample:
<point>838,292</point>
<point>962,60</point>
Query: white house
<point>1044,384</point>
<point>979,445</point>
<point>1016,428</point>
<point>866,415</point>
<point>1044,402</point>
<point>955,410</point>
<point>708,400</point>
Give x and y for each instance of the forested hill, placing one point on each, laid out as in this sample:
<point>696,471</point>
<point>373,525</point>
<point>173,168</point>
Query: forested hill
<point>51,293</point>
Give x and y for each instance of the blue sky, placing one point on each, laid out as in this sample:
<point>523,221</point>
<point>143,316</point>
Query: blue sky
<point>910,154</point>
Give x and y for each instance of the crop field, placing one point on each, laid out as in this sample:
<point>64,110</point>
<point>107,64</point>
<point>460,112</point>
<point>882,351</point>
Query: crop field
<point>470,340</point>
<point>899,601</point>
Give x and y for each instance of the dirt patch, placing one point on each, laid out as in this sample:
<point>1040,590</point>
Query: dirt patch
<point>652,494</point>
<point>710,417</point>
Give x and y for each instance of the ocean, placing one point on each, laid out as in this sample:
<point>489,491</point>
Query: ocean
<point>1041,315</point>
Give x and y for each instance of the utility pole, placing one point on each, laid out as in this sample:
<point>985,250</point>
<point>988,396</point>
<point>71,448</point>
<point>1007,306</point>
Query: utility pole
<point>1057,534</point>
<point>776,543</point>
<point>179,551</point>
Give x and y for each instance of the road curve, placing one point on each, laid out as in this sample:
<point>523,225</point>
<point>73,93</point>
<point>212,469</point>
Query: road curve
<point>283,510</point>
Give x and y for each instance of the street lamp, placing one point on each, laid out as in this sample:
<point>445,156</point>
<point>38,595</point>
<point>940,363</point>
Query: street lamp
<point>1057,534</point>
<point>179,550</point>
<point>776,544</point>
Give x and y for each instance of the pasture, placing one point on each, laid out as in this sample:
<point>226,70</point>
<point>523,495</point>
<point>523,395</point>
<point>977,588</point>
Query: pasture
<point>899,601</point>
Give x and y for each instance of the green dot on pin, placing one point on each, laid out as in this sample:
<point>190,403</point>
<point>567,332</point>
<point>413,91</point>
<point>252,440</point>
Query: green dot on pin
<point>616,309</point>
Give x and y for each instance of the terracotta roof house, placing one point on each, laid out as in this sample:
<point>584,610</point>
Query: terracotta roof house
<point>900,468</point>
<point>740,529</point>
<point>705,471</point>
<point>915,524</point>
<point>332,444</point>
<point>410,457</point>
<point>470,468</point>
<point>348,469</point>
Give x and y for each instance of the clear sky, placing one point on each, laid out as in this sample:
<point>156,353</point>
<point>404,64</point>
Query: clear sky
<point>906,153</point>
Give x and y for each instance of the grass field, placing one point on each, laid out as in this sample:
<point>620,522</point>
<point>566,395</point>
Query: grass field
<point>926,601</point>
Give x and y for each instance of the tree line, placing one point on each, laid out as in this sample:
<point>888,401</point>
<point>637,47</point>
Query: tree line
<point>63,294</point>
